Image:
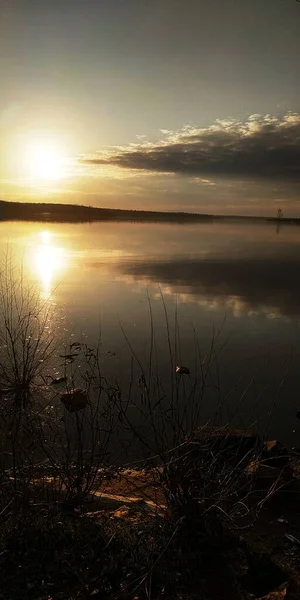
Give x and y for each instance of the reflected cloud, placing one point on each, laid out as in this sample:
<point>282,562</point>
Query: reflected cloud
<point>46,262</point>
<point>270,288</point>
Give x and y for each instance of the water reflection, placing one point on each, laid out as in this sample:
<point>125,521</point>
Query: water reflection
<point>270,288</point>
<point>240,268</point>
<point>102,273</point>
<point>46,261</point>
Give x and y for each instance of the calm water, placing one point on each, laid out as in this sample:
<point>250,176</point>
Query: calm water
<point>239,279</point>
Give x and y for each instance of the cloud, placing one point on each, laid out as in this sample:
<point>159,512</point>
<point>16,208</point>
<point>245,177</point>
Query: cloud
<point>261,147</point>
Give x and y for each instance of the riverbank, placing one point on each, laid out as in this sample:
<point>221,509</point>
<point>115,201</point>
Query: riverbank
<point>125,540</point>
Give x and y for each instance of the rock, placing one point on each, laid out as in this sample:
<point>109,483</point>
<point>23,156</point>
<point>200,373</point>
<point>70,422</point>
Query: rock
<point>234,447</point>
<point>58,380</point>
<point>279,594</point>
<point>75,345</point>
<point>267,477</point>
<point>75,399</point>
<point>274,454</point>
<point>282,520</point>
<point>217,447</point>
<point>265,579</point>
<point>182,371</point>
<point>272,466</point>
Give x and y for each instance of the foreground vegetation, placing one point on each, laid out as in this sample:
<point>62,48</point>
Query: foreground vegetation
<point>81,517</point>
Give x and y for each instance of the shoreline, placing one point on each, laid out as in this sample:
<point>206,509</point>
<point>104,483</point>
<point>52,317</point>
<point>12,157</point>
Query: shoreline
<point>73,213</point>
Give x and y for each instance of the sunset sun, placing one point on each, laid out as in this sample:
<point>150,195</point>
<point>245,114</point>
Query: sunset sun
<point>45,161</point>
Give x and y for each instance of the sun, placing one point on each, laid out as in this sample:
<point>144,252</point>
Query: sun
<point>46,161</point>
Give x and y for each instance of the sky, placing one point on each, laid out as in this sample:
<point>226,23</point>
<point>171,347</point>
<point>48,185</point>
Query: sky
<point>180,105</point>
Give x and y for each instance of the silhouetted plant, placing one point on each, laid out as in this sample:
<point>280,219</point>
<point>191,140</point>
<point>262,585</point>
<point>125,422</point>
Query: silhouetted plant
<point>26,341</point>
<point>79,447</point>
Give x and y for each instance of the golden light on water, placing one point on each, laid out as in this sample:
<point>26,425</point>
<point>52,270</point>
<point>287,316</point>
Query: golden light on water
<point>48,261</point>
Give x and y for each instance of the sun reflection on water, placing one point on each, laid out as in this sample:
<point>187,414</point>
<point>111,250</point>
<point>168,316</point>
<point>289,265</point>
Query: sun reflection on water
<point>47,261</point>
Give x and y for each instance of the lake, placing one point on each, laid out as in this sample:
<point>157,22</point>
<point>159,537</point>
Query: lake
<point>235,281</point>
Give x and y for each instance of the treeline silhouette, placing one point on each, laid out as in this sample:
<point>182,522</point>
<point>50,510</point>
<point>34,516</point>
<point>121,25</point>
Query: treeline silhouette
<point>73,213</point>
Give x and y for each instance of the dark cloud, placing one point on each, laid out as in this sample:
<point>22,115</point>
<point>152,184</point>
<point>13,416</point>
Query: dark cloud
<point>265,147</point>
